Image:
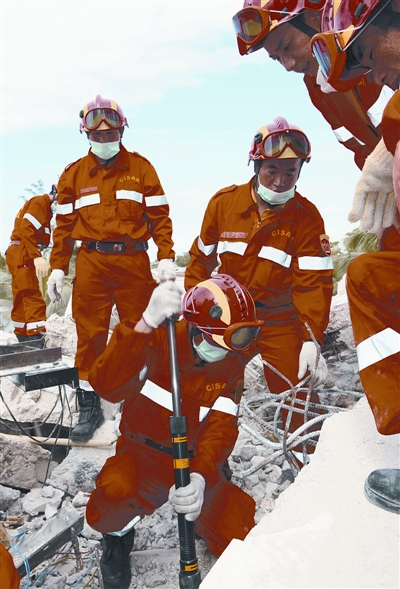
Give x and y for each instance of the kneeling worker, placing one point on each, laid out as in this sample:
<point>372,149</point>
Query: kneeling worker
<point>213,345</point>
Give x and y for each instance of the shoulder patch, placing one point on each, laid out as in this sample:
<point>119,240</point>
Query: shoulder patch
<point>325,245</point>
<point>141,156</point>
<point>224,191</point>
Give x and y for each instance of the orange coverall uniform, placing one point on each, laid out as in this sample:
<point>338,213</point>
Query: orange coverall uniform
<point>282,258</point>
<point>123,205</point>
<point>9,576</point>
<point>136,481</point>
<point>354,116</point>
<point>373,289</point>
<point>30,235</point>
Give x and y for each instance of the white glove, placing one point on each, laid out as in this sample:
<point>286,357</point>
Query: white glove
<point>55,285</point>
<point>42,266</point>
<point>166,270</point>
<point>308,355</point>
<point>165,301</point>
<point>373,203</point>
<point>189,499</point>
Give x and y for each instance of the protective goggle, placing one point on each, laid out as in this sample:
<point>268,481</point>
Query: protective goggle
<point>95,117</point>
<point>336,61</point>
<point>251,26</point>
<point>238,336</point>
<point>275,144</point>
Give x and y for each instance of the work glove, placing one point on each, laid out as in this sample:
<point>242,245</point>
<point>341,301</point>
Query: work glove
<point>166,270</point>
<point>307,358</point>
<point>189,499</point>
<point>373,203</point>
<point>55,285</point>
<point>165,301</point>
<point>42,266</point>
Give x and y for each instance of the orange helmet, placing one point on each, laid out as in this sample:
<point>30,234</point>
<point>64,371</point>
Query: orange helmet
<point>258,18</point>
<point>342,23</point>
<point>223,310</point>
<point>279,140</point>
<point>100,114</point>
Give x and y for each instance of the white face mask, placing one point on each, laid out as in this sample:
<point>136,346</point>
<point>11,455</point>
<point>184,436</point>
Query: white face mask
<point>209,353</point>
<point>274,198</point>
<point>105,151</point>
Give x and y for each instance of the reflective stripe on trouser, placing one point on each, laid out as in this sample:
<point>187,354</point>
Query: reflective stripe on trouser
<point>373,290</point>
<point>137,481</point>
<point>101,281</point>
<point>280,343</point>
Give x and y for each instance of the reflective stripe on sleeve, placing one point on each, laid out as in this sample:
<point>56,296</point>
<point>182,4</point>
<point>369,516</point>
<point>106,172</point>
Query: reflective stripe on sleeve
<point>33,220</point>
<point>129,195</point>
<point>315,263</point>
<point>87,201</point>
<point>378,347</point>
<point>222,404</point>
<point>156,201</point>
<point>342,134</point>
<point>206,249</point>
<point>275,255</point>
<point>18,324</point>
<point>157,395</point>
<point>236,247</point>
<point>64,209</point>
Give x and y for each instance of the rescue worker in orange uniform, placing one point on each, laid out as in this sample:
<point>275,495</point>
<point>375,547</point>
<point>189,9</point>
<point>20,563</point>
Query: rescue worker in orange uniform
<point>273,241</point>
<point>9,576</point>
<point>214,340</point>
<point>284,30</point>
<point>372,42</point>
<point>31,234</point>
<point>113,202</point>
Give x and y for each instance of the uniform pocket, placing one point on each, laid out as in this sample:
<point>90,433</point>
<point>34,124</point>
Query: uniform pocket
<point>25,279</point>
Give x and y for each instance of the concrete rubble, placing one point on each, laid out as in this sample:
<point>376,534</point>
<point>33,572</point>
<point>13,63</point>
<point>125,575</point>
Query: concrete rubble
<point>71,477</point>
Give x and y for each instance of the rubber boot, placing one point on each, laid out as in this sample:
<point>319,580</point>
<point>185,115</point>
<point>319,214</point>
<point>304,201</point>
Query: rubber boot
<point>115,563</point>
<point>382,488</point>
<point>90,416</point>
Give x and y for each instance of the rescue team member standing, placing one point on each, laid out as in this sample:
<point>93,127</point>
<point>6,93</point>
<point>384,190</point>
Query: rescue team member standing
<point>217,329</point>
<point>284,31</point>
<point>273,241</point>
<point>373,279</point>
<point>112,201</point>
<point>31,234</point>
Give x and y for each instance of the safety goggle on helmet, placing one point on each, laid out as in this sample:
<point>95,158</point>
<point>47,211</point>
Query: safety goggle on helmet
<point>342,24</point>
<point>258,18</point>
<point>223,310</point>
<point>101,114</point>
<point>279,140</point>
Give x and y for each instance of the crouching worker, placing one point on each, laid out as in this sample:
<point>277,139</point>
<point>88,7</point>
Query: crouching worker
<point>214,342</point>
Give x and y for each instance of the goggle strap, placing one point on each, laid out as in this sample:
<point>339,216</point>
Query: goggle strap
<point>299,24</point>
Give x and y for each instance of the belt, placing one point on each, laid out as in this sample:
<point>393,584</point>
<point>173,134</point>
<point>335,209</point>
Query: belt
<point>165,449</point>
<point>14,242</point>
<point>116,247</point>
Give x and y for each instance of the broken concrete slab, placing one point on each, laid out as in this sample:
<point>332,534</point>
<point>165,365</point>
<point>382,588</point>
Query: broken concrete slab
<point>23,464</point>
<point>323,532</point>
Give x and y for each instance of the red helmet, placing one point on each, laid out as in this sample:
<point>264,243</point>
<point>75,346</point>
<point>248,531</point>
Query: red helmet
<point>223,310</point>
<point>258,18</point>
<point>342,23</point>
<point>100,114</point>
<point>280,140</point>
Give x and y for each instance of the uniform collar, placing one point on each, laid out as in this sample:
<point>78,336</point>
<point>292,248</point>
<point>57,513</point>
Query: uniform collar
<point>120,162</point>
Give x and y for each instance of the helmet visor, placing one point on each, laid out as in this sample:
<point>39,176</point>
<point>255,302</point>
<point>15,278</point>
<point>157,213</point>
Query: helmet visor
<point>95,117</point>
<point>275,144</point>
<point>251,25</point>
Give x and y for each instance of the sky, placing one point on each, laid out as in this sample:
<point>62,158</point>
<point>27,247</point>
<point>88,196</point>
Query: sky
<point>192,102</point>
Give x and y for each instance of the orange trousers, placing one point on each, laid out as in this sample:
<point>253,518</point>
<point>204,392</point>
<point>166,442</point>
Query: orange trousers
<point>137,481</point>
<point>9,576</point>
<point>101,281</point>
<point>373,290</point>
<point>28,313</point>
